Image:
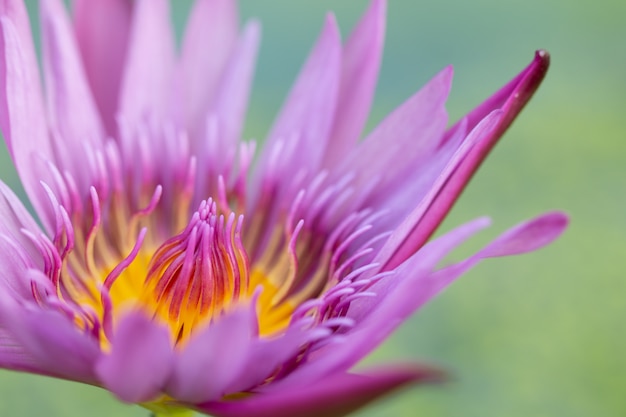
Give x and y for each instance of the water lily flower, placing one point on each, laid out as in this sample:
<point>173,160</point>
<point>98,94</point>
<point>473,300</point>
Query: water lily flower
<point>180,268</point>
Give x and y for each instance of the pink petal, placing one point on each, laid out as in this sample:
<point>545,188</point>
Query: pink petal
<point>212,359</point>
<point>305,121</point>
<point>22,118</point>
<point>415,282</point>
<point>14,357</point>
<point>514,95</point>
<point>411,234</point>
<point>210,36</point>
<point>140,361</point>
<point>402,142</point>
<point>53,341</point>
<point>232,95</point>
<point>402,195</point>
<point>147,79</point>
<point>510,99</point>
<point>523,238</point>
<point>16,12</point>
<point>398,296</point>
<point>361,63</point>
<point>18,253</point>
<point>266,355</point>
<point>228,110</point>
<point>104,50</point>
<point>73,112</point>
<point>14,218</point>
<point>335,396</point>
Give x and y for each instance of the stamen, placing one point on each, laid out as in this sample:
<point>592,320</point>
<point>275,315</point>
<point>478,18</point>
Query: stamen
<point>198,273</point>
<point>89,258</point>
<point>115,273</point>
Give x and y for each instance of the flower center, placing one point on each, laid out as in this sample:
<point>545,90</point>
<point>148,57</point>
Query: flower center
<point>197,274</point>
<point>186,282</point>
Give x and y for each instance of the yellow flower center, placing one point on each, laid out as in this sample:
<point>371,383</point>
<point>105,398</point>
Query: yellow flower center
<point>189,280</point>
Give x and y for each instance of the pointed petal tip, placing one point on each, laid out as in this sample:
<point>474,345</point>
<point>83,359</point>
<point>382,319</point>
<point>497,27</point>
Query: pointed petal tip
<point>529,236</point>
<point>336,396</point>
<point>331,27</point>
<point>447,74</point>
<point>378,8</point>
<point>252,29</point>
<point>527,83</point>
<point>543,58</point>
<point>414,373</point>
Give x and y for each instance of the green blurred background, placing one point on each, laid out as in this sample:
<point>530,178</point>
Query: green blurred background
<point>538,335</point>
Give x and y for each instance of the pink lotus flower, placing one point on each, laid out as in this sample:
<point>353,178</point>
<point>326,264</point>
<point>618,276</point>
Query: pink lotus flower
<point>173,274</point>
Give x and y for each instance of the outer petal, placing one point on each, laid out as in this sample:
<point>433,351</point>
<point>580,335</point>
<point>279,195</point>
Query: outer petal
<point>50,340</point>
<point>335,396</point>
<point>14,220</point>
<point>360,66</point>
<point>512,99</point>
<point>147,79</point>
<point>299,136</point>
<point>211,360</point>
<point>73,112</point>
<point>210,36</point>
<point>409,235</point>
<point>216,149</point>
<point>14,357</point>
<point>103,50</point>
<point>22,116</point>
<point>15,259</point>
<point>412,285</point>
<point>140,360</point>
<point>513,96</point>
<point>266,355</point>
<point>403,141</point>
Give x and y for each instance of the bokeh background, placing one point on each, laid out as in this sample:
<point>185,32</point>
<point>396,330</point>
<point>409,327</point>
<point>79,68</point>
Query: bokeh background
<point>538,335</point>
